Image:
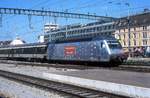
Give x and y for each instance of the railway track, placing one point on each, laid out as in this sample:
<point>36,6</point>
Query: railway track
<point>55,65</point>
<point>133,68</point>
<point>60,87</point>
<point>137,62</point>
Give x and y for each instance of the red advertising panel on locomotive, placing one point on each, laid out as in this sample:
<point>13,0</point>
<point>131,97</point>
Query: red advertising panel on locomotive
<point>69,50</point>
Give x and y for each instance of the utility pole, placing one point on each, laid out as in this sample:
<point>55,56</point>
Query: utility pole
<point>66,23</point>
<point>55,20</point>
<point>1,20</point>
<point>29,19</point>
<point>128,19</point>
<point>128,27</point>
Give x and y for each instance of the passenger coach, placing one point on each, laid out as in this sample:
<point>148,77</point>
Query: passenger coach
<point>26,51</point>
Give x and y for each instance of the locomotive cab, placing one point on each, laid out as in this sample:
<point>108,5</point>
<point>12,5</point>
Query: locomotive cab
<point>116,51</point>
<point>104,51</point>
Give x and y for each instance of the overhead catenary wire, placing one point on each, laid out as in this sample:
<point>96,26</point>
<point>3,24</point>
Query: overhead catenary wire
<point>36,5</point>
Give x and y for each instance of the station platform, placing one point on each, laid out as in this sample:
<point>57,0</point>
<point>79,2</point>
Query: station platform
<point>130,84</point>
<point>139,59</point>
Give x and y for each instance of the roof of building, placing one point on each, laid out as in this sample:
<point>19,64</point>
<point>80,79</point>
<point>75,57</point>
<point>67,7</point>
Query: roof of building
<point>5,42</point>
<point>17,41</point>
<point>142,19</point>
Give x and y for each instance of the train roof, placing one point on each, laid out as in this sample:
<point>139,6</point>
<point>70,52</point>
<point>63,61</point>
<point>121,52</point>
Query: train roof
<point>25,45</point>
<point>107,37</point>
<point>79,39</point>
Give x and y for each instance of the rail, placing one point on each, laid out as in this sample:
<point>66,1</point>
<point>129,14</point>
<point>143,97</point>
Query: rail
<point>136,67</point>
<point>51,85</point>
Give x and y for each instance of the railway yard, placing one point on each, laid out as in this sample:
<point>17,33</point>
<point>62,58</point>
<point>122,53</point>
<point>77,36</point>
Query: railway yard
<point>75,49</point>
<point>44,80</point>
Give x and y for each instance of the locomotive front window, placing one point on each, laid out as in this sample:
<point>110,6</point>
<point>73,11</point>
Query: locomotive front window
<point>114,45</point>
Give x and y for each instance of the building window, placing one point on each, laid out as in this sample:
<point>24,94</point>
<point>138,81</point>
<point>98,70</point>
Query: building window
<point>144,27</point>
<point>88,30</point>
<point>113,26</point>
<point>134,42</point>
<point>124,43</point>
<point>124,36</point>
<point>84,30</point>
<point>105,27</point>
<point>110,33</point>
<point>119,37</point>
<point>124,30</point>
<point>134,35</point>
<point>99,28</point>
<point>144,42</point>
<point>94,29</point>
<point>134,28</point>
<point>109,27</point>
<point>144,34</point>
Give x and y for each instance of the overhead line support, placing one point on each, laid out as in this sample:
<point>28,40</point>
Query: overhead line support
<point>53,14</point>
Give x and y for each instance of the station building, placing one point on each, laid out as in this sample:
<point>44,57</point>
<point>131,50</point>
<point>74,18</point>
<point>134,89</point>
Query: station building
<point>81,31</point>
<point>139,27</point>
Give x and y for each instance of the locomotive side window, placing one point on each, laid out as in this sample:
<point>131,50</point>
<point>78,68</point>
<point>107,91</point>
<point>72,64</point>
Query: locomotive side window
<point>102,45</point>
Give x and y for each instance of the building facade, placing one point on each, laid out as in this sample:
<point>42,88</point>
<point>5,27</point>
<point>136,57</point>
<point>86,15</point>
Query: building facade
<point>81,31</point>
<point>134,31</point>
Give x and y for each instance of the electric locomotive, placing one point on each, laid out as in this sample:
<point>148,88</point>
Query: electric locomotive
<point>104,49</point>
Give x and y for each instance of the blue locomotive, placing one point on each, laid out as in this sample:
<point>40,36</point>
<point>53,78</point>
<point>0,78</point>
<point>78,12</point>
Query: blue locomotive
<point>104,49</point>
<point>98,49</point>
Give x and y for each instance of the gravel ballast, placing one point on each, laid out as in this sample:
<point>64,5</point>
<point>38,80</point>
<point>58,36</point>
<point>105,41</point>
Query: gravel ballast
<point>12,89</point>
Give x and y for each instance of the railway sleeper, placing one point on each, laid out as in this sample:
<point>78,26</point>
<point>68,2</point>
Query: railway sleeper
<point>94,96</point>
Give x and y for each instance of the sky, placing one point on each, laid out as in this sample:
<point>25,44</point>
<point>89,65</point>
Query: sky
<point>18,25</point>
